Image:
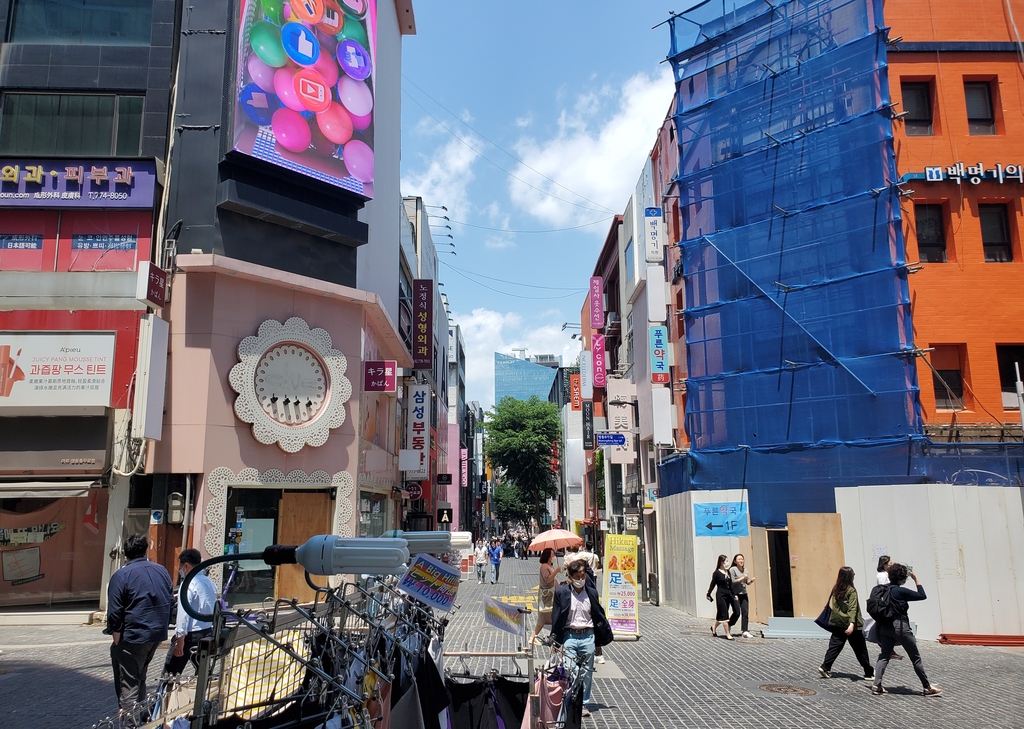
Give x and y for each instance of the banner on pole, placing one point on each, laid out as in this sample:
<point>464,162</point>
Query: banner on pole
<point>622,600</point>
<point>432,582</point>
<point>504,616</point>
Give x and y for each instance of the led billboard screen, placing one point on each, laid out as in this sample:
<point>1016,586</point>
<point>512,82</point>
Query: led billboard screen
<point>304,91</point>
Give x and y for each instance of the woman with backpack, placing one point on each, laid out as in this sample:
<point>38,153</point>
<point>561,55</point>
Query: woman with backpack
<point>845,625</point>
<point>722,582</point>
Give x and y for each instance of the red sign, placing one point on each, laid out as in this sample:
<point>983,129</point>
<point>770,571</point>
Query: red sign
<point>415,491</point>
<point>577,392</point>
<point>380,376</point>
<point>660,378</point>
<point>423,324</point>
<point>151,285</point>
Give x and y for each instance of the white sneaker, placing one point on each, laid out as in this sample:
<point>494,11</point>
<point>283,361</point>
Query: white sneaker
<point>746,634</point>
<point>599,659</point>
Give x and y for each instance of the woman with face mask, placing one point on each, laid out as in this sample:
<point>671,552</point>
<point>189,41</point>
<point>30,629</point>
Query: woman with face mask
<point>549,569</point>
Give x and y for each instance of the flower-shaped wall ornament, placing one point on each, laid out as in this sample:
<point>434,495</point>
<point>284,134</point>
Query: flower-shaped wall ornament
<point>291,384</point>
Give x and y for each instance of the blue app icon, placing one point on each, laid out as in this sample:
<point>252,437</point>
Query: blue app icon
<point>258,105</point>
<point>300,44</point>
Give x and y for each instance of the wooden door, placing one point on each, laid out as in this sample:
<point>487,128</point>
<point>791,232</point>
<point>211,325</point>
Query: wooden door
<point>300,515</point>
<point>815,556</point>
<point>760,592</point>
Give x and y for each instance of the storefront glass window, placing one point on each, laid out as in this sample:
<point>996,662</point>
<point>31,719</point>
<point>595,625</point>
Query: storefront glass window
<point>251,526</point>
<point>71,124</point>
<point>85,22</point>
<point>373,514</point>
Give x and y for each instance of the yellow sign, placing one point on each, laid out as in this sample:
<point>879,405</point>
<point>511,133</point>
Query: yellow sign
<point>622,599</point>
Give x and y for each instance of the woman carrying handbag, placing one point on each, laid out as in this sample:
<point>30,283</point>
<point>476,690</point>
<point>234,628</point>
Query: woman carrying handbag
<point>845,624</point>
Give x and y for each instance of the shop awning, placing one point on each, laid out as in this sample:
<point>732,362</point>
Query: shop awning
<point>45,489</point>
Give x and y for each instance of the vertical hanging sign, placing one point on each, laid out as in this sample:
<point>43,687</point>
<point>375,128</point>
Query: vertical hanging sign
<point>423,324</point>
<point>597,302</point>
<point>600,368</point>
<point>464,457</point>
<point>588,426</point>
<point>418,432</point>
<point>576,392</point>
<point>658,338</point>
<point>587,375</point>
<point>654,235</point>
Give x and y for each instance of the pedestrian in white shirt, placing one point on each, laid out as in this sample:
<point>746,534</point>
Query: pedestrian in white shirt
<point>202,595</point>
<point>481,561</point>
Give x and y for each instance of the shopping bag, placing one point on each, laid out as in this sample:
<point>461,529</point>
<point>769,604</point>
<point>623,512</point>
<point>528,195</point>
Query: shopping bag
<point>822,621</point>
<point>870,630</point>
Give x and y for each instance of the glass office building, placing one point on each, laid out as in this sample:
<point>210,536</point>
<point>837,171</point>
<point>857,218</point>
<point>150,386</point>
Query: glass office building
<point>521,378</point>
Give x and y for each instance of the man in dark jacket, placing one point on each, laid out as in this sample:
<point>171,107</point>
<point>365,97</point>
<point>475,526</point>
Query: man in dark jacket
<point>578,622</point>
<point>899,631</point>
<point>139,600</point>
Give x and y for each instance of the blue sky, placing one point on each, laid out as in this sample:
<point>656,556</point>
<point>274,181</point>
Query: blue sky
<point>575,92</point>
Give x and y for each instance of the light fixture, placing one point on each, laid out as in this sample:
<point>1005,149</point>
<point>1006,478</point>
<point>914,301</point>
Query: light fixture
<point>424,542</point>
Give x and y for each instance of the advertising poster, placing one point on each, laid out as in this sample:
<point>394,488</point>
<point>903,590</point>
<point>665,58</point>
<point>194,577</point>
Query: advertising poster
<point>304,88</point>
<point>504,616</point>
<point>41,369</point>
<point>621,596</point>
<point>432,582</point>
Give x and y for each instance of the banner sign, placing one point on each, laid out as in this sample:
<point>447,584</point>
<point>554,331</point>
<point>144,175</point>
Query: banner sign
<point>974,173</point>
<point>600,367</point>
<point>78,183</point>
<point>722,519</point>
<point>586,375</point>
<point>504,616</point>
<point>380,376</point>
<point>597,302</point>
<point>622,601</point>
<point>56,369</point>
<point>588,425</point>
<point>657,336</point>
<point>464,457</point>
<point>418,429</point>
<point>432,582</point>
<point>576,390</point>
<point>654,235</point>
<point>422,324</point>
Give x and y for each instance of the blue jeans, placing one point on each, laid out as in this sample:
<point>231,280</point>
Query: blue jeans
<point>583,647</point>
<point>481,571</point>
<point>495,569</point>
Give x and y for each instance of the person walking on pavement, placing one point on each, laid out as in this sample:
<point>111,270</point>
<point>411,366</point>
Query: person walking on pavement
<point>722,584</point>
<point>882,578</point>
<point>846,624</point>
<point>587,556</point>
<point>579,624</point>
<point>482,553</point>
<point>139,599</point>
<point>202,596</point>
<point>898,630</point>
<point>549,569</point>
<point>740,580</point>
<point>495,553</point>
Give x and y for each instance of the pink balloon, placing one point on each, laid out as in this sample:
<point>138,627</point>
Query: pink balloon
<point>284,87</point>
<point>361,122</point>
<point>327,67</point>
<point>355,96</point>
<point>321,144</point>
<point>335,123</point>
<point>262,75</point>
<point>291,130</point>
<point>358,160</point>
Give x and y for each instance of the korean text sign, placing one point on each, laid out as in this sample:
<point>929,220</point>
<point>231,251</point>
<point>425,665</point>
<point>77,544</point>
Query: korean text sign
<point>504,616</point>
<point>432,582</point>
<point>380,376</point>
<point>596,302</point>
<point>37,183</point>
<point>620,590</point>
<point>658,339</point>
<point>56,369</point>
<point>418,428</point>
<point>721,519</point>
<point>423,324</point>
<point>654,235</point>
<point>304,91</point>
<point>600,367</point>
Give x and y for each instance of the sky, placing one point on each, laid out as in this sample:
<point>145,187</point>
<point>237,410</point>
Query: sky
<point>533,116</point>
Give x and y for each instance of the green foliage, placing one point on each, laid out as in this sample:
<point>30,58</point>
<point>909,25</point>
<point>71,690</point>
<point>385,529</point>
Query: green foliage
<point>508,505</point>
<point>519,438</point>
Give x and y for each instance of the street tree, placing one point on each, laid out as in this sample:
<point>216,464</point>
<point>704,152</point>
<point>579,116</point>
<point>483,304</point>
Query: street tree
<point>509,505</point>
<point>519,438</point>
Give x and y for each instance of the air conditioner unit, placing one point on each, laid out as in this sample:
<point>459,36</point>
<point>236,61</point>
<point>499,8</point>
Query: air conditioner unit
<point>612,318</point>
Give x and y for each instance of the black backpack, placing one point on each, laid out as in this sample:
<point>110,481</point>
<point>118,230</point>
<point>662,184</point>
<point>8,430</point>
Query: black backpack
<point>880,605</point>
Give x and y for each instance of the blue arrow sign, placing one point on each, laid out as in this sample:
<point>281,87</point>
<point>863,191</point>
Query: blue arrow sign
<point>611,439</point>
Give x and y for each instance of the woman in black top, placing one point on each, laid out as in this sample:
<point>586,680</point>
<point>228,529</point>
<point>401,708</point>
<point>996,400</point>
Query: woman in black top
<point>721,580</point>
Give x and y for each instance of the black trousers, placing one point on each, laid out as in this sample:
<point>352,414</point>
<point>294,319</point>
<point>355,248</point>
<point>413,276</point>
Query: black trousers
<point>889,636</point>
<point>131,662</point>
<point>740,608</point>
<point>860,649</point>
<point>173,665</point>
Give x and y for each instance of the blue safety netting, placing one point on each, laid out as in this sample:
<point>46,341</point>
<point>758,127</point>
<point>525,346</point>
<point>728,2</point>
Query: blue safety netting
<point>801,371</point>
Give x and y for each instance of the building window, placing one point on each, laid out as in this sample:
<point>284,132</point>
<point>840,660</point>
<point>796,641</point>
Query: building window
<point>71,125</point>
<point>995,233</point>
<point>947,376</point>
<point>630,263</point>
<point>917,103</point>
<point>980,117</point>
<point>83,22</point>
<point>1009,356</point>
<point>931,233</point>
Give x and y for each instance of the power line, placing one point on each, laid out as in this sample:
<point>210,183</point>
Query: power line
<point>517,296</point>
<point>552,230</point>
<point>495,164</point>
<point>514,283</point>
<point>500,148</point>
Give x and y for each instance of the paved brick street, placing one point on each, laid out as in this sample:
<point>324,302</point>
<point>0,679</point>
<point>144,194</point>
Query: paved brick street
<point>677,675</point>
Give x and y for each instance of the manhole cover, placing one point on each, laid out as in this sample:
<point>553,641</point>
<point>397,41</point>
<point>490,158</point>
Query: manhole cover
<point>781,688</point>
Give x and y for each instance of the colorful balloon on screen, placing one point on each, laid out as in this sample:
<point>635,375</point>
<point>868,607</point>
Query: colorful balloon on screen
<point>304,89</point>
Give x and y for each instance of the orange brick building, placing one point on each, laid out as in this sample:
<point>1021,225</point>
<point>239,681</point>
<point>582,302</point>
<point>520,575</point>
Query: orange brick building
<point>958,77</point>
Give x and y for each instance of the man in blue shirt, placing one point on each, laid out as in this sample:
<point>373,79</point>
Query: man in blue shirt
<point>202,596</point>
<point>139,600</point>
<point>495,560</point>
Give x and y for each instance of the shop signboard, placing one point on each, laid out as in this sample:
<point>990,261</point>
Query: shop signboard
<point>654,235</point>
<point>576,392</point>
<point>464,457</point>
<point>444,479</point>
<point>597,303</point>
<point>721,519</point>
<point>432,582</point>
<point>77,183</point>
<point>620,589</point>
<point>586,375</point>
<point>600,367</point>
<point>418,430</point>
<point>657,336</point>
<point>611,439</point>
<point>588,425</point>
<point>423,324</point>
<point>151,286</point>
<point>43,368</point>
<point>380,375</point>
<point>975,174</point>
<point>305,81</point>
<point>505,617</point>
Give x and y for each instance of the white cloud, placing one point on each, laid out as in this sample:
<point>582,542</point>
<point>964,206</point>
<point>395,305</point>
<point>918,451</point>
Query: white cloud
<point>598,151</point>
<point>524,121</point>
<point>446,177</point>
<point>487,331</point>
<point>499,241</point>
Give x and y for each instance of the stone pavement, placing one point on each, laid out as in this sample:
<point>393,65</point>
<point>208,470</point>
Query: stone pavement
<point>677,675</point>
